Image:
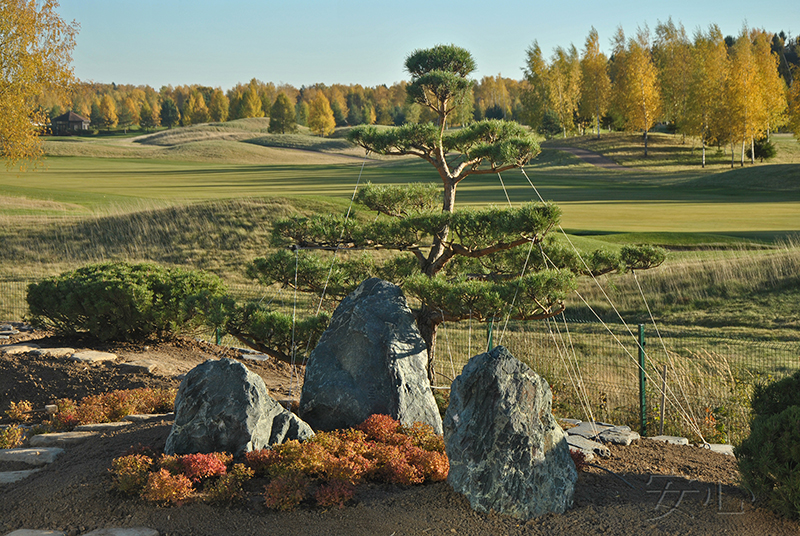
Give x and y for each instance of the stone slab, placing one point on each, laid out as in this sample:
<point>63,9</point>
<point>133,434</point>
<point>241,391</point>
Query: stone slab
<point>34,532</point>
<point>588,446</point>
<point>19,348</point>
<point>60,439</point>
<point>255,357</point>
<point>55,352</point>
<point>93,356</point>
<point>31,456</point>
<point>142,366</point>
<point>9,477</point>
<point>131,531</point>
<point>589,430</point>
<point>619,435</point>
<point>102,426</point>
<point>573,422</point>
<point>672,440</point>
<point>149,417</point>
<point>720,448</point>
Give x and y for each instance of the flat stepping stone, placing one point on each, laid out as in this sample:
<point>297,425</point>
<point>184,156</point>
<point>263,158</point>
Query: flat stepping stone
<point>60,439</point>
<point>619,435</point>
<point>672,440</point>
<point>587,446</point>
<point>102,426</point>
<point>38,456</point>
<point>589,430</point>
<point>55,352</point>
<point>138,366</point>
<point>9,477</point>
<point>255,357</point>
<point>149,417</point>
<point>19,348</point>
<point>32,532</point>
<point>133,531</point>
<point>93,356</point>
<point>720,448</point>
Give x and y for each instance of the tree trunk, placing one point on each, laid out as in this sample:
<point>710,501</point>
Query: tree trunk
<point>752,150</point>
<point>428,322</point>
<point>703,141</point>
<point>645,143</point>
<point>743,143</point>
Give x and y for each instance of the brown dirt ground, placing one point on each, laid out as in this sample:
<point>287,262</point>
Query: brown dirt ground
<point>656,489</point>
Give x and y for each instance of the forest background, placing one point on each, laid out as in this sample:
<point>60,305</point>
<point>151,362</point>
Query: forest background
<point>722,89</point>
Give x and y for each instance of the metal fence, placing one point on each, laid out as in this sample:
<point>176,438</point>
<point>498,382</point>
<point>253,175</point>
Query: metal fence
<point>708,376</point>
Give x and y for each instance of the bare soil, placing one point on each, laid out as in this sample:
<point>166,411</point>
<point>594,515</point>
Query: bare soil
<point>648,487</point>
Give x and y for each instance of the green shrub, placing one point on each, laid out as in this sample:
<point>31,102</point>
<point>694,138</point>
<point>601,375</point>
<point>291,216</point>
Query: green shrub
<point>775,397</point>
<point>123,301</point>
<point>769,460</point>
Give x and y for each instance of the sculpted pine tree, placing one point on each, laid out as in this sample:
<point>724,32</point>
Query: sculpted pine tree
<point>455,264</point>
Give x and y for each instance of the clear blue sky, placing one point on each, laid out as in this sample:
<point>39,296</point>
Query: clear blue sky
<point>302,42</point>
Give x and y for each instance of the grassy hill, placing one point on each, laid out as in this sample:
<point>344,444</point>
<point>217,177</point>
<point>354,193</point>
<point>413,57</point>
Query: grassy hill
<point>205,196</point>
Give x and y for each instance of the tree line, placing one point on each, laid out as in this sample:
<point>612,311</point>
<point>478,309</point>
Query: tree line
<point>724,90</point>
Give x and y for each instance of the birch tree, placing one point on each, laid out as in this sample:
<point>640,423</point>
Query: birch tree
<point>635,84</point>
<point>564,86</point>
<point>35,54</point>
<point>595,82</point>
<point>672,55</point>
<point>708,72</point>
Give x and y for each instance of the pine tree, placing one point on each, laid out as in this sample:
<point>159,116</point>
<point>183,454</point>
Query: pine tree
<point>282,116</point>
<point>170,116</point>
<point>455,264</point>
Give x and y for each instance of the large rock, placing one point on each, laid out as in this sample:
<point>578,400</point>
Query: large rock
<point>371,359</point>
<point>507,452</point>
<point>223,407</point>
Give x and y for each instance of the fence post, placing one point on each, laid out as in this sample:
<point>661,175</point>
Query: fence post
<point>642,379</point>
<point>489,345</point>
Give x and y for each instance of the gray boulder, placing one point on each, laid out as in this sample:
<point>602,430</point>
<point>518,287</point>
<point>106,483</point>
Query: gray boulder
<point>223,407</point>
<point>506,450</point>
<point>370,360</point>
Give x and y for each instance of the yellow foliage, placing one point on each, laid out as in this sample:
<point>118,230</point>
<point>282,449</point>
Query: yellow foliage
<point>35,55</point>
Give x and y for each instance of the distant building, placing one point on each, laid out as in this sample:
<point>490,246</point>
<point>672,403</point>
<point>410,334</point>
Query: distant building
<point>68,123</point>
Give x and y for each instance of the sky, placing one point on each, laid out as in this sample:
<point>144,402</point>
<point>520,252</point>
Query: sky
<point>302,42</point>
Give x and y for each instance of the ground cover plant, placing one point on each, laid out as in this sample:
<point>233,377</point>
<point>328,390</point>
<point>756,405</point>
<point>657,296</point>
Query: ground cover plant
<point>324,470</point>
<point>111,406</point>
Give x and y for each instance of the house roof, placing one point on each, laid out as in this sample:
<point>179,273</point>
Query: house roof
<point>69,117</point>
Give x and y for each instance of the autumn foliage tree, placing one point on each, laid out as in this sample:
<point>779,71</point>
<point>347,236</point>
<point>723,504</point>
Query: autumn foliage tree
<point>637,99</point>
<point>320,115</point>
<point>595,83</point>
<point>35,54</point>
